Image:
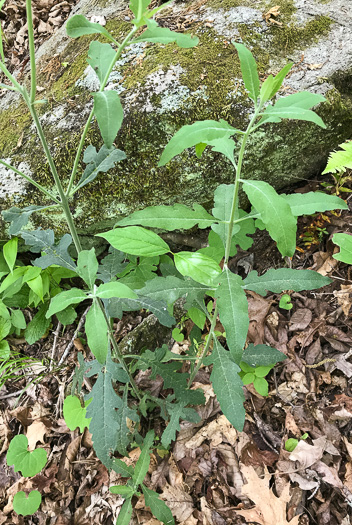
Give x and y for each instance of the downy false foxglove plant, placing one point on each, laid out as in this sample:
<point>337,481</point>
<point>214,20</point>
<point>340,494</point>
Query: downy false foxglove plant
<point>126,279</point>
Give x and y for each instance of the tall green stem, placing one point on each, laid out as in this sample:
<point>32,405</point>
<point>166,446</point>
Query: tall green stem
<point>31,50</point>
<point>122,46</point>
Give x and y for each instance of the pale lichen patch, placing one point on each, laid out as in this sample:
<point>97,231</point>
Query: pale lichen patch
<point>12,184</point>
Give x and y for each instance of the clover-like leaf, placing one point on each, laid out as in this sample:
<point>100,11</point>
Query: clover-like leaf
<point>18,455</point>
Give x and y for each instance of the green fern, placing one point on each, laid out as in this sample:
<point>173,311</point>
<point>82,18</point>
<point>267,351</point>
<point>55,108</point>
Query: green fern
<point>340,160</point>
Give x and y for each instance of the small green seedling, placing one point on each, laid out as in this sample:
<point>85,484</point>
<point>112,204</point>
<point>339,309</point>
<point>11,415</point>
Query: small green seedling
<point>285,302</point>
<point>27,505</point>
<point>75,413</point>
<point>292,443</point>
<point>255,375</point>
<point>29,463</point>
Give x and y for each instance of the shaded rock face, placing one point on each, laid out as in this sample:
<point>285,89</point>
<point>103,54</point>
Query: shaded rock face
<point>165,87</point>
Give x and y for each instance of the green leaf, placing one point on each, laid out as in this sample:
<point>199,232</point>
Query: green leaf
<point>109,114</point>
<point>113,264</point>
<point>107,432</point>
<point>96,332</point>
<point>284,279</point>
<point>248,378</point>
<point>345,242</point>
<point>115,289</point>
<point>198,266</point>
<point>64,299</point>
<point>5,327</point>
<point>172,288</point>
<point>27,505</point>
<point>123,490</point>
<point>87,266</point>
<point>233,311</point>
<point>18,320</point>
<point>124,414</point>
<point>78,26</point>
<point>225,146</point>
<point>139,7</point>
<point>29,463</point>
<point>142,465</point>
<point>223,198</point>
<point>227,385</point>
<point>120,467</point>
<point>295,107</point>
<point>313,201</point>
<point>170,218</point>
<point>275,213</point>
<point>200,148</point>
<point>285,302</point>
<point>5,351</point>
<point>136,241</point>
<point>158,507</point>
<point>279,78</point>
<point>56,253</point>
<point>19,217</point>
<point>100,56</point>
<point>38,326</point>
<point>262,371</point>
<point>67,316</point>
<point>116,307</point>
<point>197,316</point>
<point>266,89</point>
<point>249,71</point>
<point>125,514</point>
<point>302,100</point>
<point>75,413</point>
<point>177,411</point>
<point>261,386</point>
<point>36,285</point>
<point>10,252</point>
<point>190,135</point>
<point>163,35</point>
<point>291,444</point>
<point>97,162</point>
<point>339,160</point>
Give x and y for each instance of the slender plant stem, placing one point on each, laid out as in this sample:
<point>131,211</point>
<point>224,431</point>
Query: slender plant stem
<point>10,77</point>
<point>122,46</point>
<point>29,179</point>
<point>119,356</point>
<point>234,207</point>
<point>206,347</point>
<point>31,50</point>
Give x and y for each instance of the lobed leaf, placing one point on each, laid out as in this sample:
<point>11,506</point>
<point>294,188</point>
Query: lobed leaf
<point>339,160</point>
<point>116,307</point>
<point>55,253</point>
<point>177,412</point>
<point>101,161</point>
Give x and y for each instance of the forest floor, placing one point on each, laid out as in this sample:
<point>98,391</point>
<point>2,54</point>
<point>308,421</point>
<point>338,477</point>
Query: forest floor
<point>212,474</point>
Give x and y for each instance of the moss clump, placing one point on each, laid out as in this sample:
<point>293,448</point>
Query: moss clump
<point>291,37</point>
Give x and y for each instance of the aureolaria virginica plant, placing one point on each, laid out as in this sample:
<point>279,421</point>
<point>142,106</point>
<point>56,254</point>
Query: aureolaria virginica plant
<point>126,279</point>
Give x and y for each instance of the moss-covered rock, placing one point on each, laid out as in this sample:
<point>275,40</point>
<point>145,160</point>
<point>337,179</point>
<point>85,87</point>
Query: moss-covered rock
<point>165,87</point>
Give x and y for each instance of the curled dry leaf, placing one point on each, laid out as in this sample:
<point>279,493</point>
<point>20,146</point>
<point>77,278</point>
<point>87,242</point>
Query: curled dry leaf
<point>269,509</point>
<point>216,432</point>
<point>307,454</point>
<point>179,502</point>
<point>36,432</point>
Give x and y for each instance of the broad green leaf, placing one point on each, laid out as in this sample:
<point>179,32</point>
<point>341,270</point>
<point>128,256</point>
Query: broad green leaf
<point>197,316</point>
<point>233,312</point>
<point>275,213</point>
<point>295,107</point>
<point>87,266</point>
<point>10,252</point>
<point>116,307</point>
<point>142,465</point>
<point>4,350</point>
<point>78,25</point>
<point>75,413</point>
<point>198,266</point>
<point>136,241</point>
<point>262,355</point>
<point>309,203</point>
<point>261,386</point>
<point>24,505</point>
<point>124,415</point>
<point>29,463</point>
<point>249,71</point>
<point>170,218</point>
<point>100,56</point>
<point>125,514</point>
<point>5,327</point>
<point>247,379</point>
<point>107,433</point>
<point>36,285</point>
<point>345,242</point>
<point>12,278</point>
<point>4,269</point>
<point>123,490</point>
<point>340,160</point>
<point>115,289</point>
<point>55,253</point>
<point>279,78</point>
<point>190,135</point>
<point>96,332</point>
<point>262,371</point>
<point>120,467</point>
<point>64,299</point>
<point>200,148</point>
<point>284,279</point>
<point>302,100</point>
<point>227,385</point>
<point>163,35</point>
<point>172,288</point>
<point>178,411</point>
<point>158,507</point>
<point>38,326</point>
<point>31,272</point>
<point>109,114</point>
<point>113,264</point>
<point>225,146</point>
<point>101,161</point>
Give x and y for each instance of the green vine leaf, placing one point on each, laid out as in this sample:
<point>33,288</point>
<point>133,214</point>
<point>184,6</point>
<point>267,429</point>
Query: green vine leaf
<point>75,413</point>
<point>27,505</point>
<point>227,385</point>
<point>29,463</point>
<point>170,218</point>
<point>284,279</point>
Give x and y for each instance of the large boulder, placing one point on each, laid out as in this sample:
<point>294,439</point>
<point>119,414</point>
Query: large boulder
<point>164,87</point>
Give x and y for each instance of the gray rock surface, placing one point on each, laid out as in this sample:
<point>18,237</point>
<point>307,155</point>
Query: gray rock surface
<point>164,87</point>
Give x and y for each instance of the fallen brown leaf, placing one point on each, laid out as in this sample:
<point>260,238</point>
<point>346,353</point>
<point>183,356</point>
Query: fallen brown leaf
<point>36,432</point>
<point>179,502</point>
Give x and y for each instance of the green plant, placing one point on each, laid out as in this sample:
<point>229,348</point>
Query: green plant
<point>255,375</point>
<point>285,302</point>
<point>291,443</point>
<point>126,279</point>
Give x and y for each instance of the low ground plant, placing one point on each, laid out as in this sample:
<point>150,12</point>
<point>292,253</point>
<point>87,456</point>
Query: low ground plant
<point>141,271</point>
